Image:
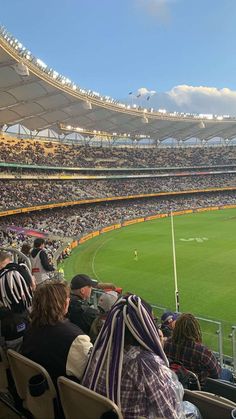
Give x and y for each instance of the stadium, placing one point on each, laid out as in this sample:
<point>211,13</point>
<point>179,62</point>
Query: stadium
<point>129,195</point>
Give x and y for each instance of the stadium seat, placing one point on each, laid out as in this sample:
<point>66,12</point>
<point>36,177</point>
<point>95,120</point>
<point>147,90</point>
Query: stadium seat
<point>221,388</point>
<point>210,405</point>
<point>86,403</point>
<point>3,370</point>
<point>34,386</point>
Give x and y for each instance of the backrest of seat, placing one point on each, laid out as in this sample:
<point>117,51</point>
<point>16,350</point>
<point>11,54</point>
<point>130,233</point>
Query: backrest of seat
<point>3,370</point>
<point>23,370</point>
<point>187,378</point>
<point>211,406</point>
<point>86,403</point>
<point>222,388</point>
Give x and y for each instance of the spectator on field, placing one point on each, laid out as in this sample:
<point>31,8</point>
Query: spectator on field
<point>80,312</point>
<point>51,340</point>
<point>15,301</point>
<point>129,366</point>
<point>105,303</point>
<point>185,346</point>
<point>39,261</point>
<point>168,320</point>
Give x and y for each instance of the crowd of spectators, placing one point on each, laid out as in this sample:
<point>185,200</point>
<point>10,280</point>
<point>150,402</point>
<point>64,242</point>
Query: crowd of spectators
<point>26,193</point>
<point>49,305</point>
<point>19,241</point>
<point>38,152</point>
<point>77,220</point>
<point>42,330</point>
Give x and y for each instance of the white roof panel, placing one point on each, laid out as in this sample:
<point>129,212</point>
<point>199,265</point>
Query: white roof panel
<point>39,101</point>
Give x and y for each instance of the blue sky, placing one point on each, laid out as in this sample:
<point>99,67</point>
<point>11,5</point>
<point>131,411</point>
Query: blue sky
<point>184,50</point>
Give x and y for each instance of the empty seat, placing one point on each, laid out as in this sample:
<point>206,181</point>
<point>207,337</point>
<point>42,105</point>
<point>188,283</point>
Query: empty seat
<point>3,370</point>
<point>34,386</point>
<point>222,388</point>
<point>210,405</point>
<point>79,402</point>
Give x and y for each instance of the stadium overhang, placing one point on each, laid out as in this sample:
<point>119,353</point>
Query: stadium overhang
<point>39,98</point>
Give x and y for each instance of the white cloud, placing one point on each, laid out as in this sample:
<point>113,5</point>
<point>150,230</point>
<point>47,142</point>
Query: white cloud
<point>143,91</point>
<point>194,99</point>
<point>204,99</point>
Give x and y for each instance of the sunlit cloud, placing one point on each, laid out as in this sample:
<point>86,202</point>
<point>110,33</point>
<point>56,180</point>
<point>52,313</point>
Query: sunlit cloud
<point>143,91</point>
<point>202,99</point>
<point>194,99</point>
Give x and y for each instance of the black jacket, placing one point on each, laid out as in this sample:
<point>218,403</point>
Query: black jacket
<point>49,346</point>
<point>81,313</point>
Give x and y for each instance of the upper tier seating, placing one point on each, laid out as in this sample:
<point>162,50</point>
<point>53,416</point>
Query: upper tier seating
<point>57,154</point>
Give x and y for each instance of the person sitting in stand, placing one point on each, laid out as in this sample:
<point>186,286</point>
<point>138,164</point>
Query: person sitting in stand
<point>51,340</point>
<point>16,285</point>
<point>80,312</point>
<point>105,303</point>
<point>186,347</point>
<point>168,320</point>
<point>128,364</point>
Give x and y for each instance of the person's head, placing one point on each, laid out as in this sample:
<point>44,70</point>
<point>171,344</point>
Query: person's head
<point>50,303</point>
<point>129,322</point>
<point>5,258</point>
<point>169,319</point>
<point>187,328</point>
<point>39,243</point>
<point>81,285</point>
<point>106,301</point>
<point>26,249</point>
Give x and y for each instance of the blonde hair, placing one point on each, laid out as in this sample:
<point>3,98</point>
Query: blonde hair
<point>49,303</point>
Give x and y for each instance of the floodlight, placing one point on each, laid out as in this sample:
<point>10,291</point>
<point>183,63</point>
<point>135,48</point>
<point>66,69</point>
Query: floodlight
<point>55,74</point>
<point>41,63</point>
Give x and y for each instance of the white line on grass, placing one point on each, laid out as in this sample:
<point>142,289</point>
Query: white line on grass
<point>94,256</point>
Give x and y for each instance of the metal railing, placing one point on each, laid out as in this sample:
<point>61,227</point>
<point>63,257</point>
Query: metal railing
<point>232,336</point>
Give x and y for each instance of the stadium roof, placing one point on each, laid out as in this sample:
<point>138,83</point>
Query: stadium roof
<point>37,97</point>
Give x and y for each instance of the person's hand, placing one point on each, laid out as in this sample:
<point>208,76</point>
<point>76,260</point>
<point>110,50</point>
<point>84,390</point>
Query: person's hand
<point>33,283</point>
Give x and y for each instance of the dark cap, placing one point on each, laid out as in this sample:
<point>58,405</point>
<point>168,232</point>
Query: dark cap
<point>169,317</point>
<point>80,281</point>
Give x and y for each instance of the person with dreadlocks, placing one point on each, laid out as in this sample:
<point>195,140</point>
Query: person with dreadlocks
<point>15,301</point>
<point>185,346</point>
<point>128,364</point>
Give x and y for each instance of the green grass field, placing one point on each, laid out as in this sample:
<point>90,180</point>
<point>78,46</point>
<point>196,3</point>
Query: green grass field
<point>205,257</point>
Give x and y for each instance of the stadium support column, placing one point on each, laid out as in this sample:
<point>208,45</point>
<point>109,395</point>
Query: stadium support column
<point>174,264</point>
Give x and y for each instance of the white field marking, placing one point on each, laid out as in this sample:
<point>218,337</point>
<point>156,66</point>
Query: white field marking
<point>94,256</point>
<point>197,239</point>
